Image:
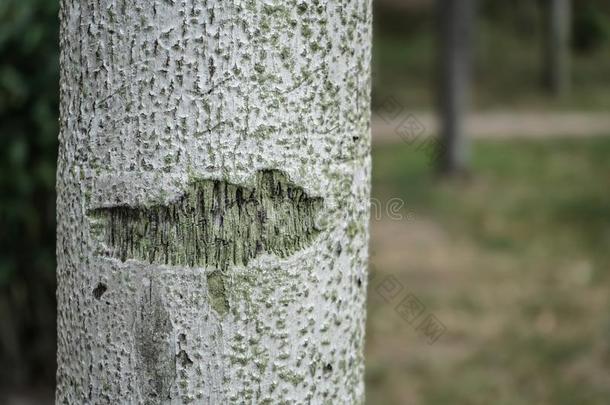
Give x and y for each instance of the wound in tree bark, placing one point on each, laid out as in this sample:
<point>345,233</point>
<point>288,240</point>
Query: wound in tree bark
<point>99,290</point>
<point>215,223</point>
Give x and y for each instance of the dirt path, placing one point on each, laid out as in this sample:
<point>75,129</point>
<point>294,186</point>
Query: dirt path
<point>495,125</point>
<point>492,306</point>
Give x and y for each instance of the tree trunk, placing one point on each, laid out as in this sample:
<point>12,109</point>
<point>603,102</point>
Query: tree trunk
<point>213,200</point>
<point>557,46</point>
<point>456,33</point>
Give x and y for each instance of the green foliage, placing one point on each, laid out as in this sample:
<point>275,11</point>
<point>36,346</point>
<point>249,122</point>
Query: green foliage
<point>28,149</point>
<point>591,27</point>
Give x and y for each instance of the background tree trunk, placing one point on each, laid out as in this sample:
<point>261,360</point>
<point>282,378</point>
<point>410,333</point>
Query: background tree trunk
<point>456,24</point>
<point>213,199</point>
<point>557,15</point>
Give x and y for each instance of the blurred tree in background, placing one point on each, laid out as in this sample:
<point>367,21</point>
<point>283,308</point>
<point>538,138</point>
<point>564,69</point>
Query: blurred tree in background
<point>508,57</point>
<point>29,95</point>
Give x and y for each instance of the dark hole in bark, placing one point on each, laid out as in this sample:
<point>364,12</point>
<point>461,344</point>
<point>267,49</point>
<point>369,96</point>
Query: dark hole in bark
<point>328,367</point>
<point>358,281</point>
<point>184,358</point>
<point>99,290</point>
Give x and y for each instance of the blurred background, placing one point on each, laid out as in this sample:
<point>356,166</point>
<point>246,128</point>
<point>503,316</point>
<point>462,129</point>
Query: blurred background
<point>490,230</point>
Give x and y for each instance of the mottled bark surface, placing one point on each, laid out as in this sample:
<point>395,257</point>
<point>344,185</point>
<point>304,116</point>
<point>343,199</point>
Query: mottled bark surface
<point>213,188</point>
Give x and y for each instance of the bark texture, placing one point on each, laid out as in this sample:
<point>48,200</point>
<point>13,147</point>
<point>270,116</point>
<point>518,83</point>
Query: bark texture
<point>213,189</point>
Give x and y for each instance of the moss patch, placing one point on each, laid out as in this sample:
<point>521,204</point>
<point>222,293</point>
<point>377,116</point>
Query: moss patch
<point>217,293</point>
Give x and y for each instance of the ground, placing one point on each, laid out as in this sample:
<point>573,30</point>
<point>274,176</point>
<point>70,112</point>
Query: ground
<point>498,124</point>
<point>514,262</point>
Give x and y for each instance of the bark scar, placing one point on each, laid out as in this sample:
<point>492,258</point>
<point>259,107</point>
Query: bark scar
<point>215,223</point>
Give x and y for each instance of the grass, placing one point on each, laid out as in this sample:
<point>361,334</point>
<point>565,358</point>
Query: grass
<point>525,194</point>
<point>515,262</point>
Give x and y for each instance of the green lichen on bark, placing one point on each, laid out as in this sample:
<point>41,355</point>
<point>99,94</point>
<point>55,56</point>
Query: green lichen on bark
<point>217,293</point>
<point>154,347</point>
<point>215,223</point>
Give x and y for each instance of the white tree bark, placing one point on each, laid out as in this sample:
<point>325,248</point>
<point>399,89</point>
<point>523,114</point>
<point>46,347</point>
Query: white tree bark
<point>213,188</point>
